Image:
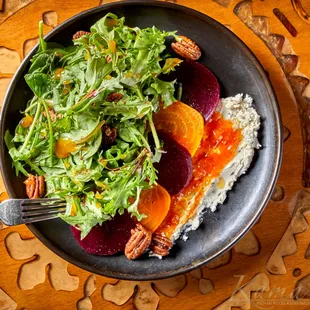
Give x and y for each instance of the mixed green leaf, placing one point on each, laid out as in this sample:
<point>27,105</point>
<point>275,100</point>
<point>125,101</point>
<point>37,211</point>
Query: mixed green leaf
<point>71,87</point>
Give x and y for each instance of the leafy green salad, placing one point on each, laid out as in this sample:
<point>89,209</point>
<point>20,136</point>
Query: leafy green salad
<point>88,127</point>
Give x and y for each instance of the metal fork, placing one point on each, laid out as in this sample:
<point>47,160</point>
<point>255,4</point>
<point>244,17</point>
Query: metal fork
<point>25,211</point>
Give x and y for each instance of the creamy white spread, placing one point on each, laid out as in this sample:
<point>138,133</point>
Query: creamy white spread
<point>240,111</point>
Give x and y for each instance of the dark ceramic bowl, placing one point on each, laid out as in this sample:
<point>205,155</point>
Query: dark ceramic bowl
<point>238,71</point>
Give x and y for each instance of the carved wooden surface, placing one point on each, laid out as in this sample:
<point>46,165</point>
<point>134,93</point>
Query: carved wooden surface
<point>269,267</point>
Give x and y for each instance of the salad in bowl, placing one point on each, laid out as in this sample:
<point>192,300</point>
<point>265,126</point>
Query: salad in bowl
<point>129,129</point>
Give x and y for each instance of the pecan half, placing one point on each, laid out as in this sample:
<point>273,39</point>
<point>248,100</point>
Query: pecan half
<point>108,136</point>
<point>160,244</point>
<point>52,114</point>
<point>35,186</point>
<point>114,97</point>
<point>79,34</point>
<point>138,243</point>
<point>186,48</point>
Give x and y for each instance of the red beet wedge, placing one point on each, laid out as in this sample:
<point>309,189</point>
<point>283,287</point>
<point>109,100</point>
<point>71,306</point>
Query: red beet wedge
<point>201,89</point>
<point>175,166</point>
<point>109,238</point>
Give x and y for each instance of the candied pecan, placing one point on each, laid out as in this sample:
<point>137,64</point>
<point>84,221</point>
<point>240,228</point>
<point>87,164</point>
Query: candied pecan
<point>35,186</point>
<point>30,185</point>
<point>108,136</point>
<point>160,244</point>
<point>186,48</point>
<point>114,97</point>
<point>52,113</point>
<point>79,34</point>
<point>138,243</point>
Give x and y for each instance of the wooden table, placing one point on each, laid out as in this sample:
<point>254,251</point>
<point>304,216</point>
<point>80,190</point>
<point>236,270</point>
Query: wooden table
<point>271,261</point>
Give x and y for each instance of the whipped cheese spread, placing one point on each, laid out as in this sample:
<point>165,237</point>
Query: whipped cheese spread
<point>240,111</point>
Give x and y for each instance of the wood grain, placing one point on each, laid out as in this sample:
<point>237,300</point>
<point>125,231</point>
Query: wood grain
<point>219,280</point>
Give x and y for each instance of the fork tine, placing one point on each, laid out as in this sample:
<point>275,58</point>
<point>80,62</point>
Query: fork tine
<point>43,200</point>
<point>40,218</point>
<point>43,212</point>
<point>41,206</point>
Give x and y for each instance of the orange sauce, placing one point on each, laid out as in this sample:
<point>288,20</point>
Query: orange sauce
<point>110,22</point>
<point>66,87</point>
<point>73,210</point>
<point>112,46</point>
<point>4,196</point>
<point>64,147</point>
<point>57,73</point>
<point>217,148</point>
<point>26,121</point>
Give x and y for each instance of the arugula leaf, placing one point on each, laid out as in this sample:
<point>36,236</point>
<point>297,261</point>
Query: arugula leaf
<point>64,124</point>
<point>8,139</point>
<point>40,62</point>
<point>42,43</point>
<point>38,82</point>
<point>85,217</point>
<point>166,90</point>
<point>106,24</point>
<point>97,69</point>
<point>62,186</point>
<point>19,167</point>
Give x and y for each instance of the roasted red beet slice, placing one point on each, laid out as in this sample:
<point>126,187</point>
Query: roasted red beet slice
<point>201,89</point>
<point>109,238</point>
<point>175,166</point>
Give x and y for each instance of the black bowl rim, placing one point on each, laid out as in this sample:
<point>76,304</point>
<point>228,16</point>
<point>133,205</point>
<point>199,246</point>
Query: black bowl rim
<point>278,127</point>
